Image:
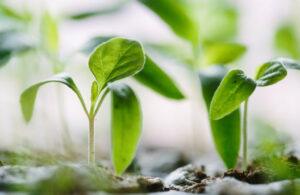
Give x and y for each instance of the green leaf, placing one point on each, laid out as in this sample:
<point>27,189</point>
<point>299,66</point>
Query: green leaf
<point>235,88</point>
<point>155,78</point>
<point>222,53</point>
<point>226,131</point>
<point>287,42</point>
<point>50,34</point>
<point>270,73</point>
<point>27,99</point>
<point>116,59</point>
<point>177,16</point>
<point>126,126</point>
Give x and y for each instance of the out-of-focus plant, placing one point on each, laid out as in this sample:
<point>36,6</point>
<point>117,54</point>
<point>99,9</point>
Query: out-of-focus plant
<point>16,39</point>
<point>287,41</point>
<point>12,41</point>
<point>236,88</point>
<point>113,60</point>
<point>208,28</point>
<point>271,153</point>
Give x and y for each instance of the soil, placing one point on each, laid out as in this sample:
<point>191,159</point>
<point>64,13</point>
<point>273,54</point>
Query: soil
<point>79,178</point>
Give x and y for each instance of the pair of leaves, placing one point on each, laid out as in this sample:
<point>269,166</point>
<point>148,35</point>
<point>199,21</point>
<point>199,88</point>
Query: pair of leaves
<point>226,131</point>
<point>113,60</point>
<point>151,75</point>
<point>236,87</point>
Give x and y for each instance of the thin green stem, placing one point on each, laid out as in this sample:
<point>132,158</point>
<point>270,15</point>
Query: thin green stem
<point>91,152</point>
<point>245,135</point>
<point>95,106</point>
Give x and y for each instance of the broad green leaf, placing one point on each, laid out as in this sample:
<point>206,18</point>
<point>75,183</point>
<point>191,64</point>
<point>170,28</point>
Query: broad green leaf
<point>50,34</point>
<point>116,59</point>
<point>222,53</point>
<point>27,99</point>
<point>177,15</point>
<point>270,73</point>
<point>94,42</point>
<point>126,126</point>
<point>287,42</point>
<point>226,131</point>
<point>155,78</point>
<point>234,89</point>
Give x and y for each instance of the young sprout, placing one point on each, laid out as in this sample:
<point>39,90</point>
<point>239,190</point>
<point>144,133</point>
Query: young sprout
<point>236,88</point>
<point>113,60</point>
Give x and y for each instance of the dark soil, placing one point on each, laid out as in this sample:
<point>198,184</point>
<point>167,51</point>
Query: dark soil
<point>251,175</point>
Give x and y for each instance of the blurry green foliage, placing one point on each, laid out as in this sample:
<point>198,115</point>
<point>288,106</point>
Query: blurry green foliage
<point>99,12</point>
<point>287,41</point>
<point>222,53</point>
<point>10,13</point>
<point>11,43</point>
<point>50,34</point>
<point>177,16</point>
<point>269,152</point>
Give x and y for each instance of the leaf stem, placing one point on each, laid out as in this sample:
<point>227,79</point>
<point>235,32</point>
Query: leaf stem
<point>91,149</point>
<point>99,103</point>
<point>245,135</point>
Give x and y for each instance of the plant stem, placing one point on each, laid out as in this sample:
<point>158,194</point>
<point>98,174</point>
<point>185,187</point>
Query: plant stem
<point>245,135</point>
<point>91,152</point>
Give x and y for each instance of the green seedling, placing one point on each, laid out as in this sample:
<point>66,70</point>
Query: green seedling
<point>113,60</point>
<point>236,88</point>
<point>207,51</point>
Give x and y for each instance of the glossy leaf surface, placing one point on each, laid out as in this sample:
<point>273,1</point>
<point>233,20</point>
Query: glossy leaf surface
<point>116,59</point>
<point>234,89</point>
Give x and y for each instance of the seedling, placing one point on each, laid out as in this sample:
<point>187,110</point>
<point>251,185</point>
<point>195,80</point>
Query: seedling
<point>236,88</point>
<point>208,46</point>
<point>113,60</point>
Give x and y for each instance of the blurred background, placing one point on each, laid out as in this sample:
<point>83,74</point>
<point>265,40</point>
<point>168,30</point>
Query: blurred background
<point>167,123</point>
